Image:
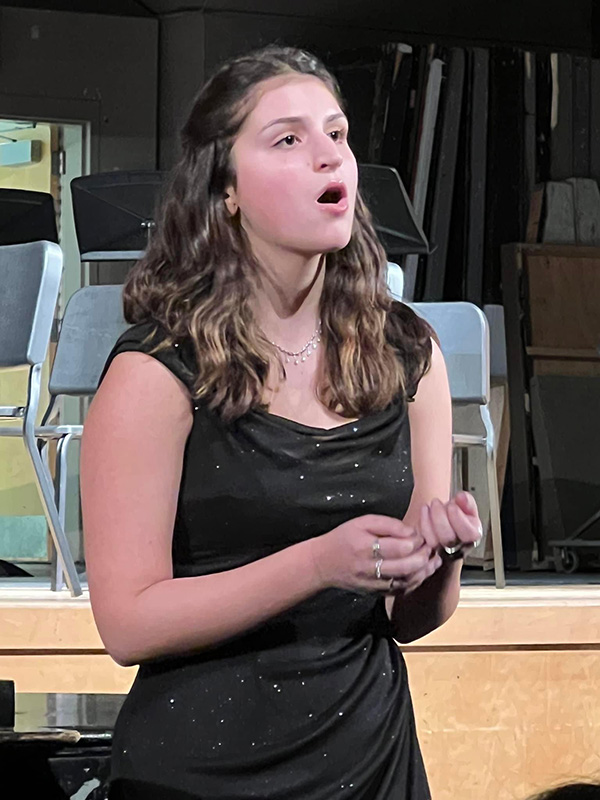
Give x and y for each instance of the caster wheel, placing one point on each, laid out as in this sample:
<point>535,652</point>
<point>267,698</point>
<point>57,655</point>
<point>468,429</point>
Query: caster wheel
<point>569,560</point>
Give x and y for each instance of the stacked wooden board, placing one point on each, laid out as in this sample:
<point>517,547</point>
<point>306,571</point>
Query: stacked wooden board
<point>552,305</point>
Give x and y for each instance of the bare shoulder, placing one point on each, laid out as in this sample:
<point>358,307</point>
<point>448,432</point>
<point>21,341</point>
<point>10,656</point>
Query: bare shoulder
<point>137,382</point>
<point>433,391</point>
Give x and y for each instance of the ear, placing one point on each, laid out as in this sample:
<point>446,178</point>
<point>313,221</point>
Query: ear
<point>230,200</point>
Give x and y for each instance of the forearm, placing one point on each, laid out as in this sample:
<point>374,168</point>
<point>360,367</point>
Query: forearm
<point>429,606</point>
<point>183,615</point>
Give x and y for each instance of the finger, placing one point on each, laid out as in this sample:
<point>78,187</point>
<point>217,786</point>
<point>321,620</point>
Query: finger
<point>412,582</point>
<point>466,502</point>
<point>426,528</point>
<point>422,575</point>
<point>401,567</point>
<point>441,524</point>
<point>466,528</point>
<point>379,525</point>
<point>391,547</point>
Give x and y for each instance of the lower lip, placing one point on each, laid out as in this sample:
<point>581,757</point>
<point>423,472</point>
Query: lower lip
<point>335,208</point>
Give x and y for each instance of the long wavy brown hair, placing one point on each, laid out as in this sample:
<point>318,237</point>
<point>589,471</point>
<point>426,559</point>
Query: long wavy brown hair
<point>198,276</point>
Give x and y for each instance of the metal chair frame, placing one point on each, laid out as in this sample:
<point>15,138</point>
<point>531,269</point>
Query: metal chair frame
<point>107,323</point>
<point>45,258</point>
<point>465,348</point>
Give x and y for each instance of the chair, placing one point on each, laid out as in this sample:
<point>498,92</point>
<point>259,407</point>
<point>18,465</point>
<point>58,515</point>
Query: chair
<point>30,275</point>
<point>92,322</point>
<point>463,332</point>
<point>395,280</point>
<point>495,317</point>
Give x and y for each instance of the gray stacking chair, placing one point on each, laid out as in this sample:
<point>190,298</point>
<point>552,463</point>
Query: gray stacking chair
<point>463,332</point>
<point>395,280</point>
<point>30,276</point>
<point>495,317</point>
<point>92,323</point>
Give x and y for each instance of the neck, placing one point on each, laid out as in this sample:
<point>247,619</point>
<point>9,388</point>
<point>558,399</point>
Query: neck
<point>287,302</point>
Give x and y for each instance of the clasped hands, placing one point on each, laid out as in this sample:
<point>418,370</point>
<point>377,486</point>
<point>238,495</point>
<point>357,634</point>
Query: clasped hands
<point>441,529</point>
<point>384,554</point>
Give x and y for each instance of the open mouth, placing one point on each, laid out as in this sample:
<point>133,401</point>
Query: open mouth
<point>332,195</point>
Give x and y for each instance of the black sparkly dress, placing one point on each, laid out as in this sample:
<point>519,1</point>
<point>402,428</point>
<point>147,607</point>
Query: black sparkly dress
<point>314,704</point>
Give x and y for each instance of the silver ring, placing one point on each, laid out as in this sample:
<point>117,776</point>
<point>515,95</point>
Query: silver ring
<point>376,549</point>
<point>378,565</point>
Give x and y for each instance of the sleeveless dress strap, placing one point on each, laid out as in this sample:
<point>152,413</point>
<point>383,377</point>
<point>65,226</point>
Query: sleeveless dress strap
<point>149,337</point>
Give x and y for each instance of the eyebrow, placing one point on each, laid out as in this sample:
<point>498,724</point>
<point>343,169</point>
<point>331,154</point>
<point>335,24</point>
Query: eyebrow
<point>296,120</point>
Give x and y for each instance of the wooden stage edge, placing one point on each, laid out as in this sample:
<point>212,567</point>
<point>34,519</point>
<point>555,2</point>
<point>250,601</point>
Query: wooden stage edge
<point>49,642</point>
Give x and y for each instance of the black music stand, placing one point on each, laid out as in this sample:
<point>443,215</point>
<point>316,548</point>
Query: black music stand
<point>26,217</point>
<point>392,211</point>
<point>114,213</point>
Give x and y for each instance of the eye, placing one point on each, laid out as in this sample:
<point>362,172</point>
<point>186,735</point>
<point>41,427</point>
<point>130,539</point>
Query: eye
<point>338,136</point>
<point>288,140</point>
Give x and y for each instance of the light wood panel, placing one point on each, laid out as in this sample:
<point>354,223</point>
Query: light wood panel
<point>520,617</point>
<point>81,673</point>
<point>504,725</point>
<point>486,617</point>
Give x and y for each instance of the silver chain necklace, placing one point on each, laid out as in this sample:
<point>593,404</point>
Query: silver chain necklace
<point>303,354</point>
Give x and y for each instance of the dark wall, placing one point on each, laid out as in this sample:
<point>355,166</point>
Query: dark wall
<point>550,23</point>
<point>182,55</point>
<point>122,8</point>
<point>553,23</point>
<point>112,62</point>
<point>103,67</point>
<point>193,43</point>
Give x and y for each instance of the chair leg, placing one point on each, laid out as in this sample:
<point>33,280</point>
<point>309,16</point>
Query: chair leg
<point>492,480</point>
<point>57,577</point>
<point>44,448</point>
<point>457,485</point>
<point>43,445</point>
<point>46,491</point>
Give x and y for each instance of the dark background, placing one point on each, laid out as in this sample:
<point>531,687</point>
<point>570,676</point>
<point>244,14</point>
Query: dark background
<point>138,65</point>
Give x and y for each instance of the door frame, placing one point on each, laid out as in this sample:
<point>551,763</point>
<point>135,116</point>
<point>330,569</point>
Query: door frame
<point>57,110</point>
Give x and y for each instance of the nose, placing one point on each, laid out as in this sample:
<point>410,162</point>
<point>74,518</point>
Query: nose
<point>327,155</point>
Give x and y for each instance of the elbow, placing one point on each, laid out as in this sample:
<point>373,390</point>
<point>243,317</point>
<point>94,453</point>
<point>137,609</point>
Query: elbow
<point>120,644</point>
<point>427,608</point>
<point>409,633</point>
<point>132,648</point>
<point>123,659</point>
<point>121,632</point>
<point>122,653</point>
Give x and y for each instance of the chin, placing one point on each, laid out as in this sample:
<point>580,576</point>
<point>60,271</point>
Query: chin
<point>332,244</point>
<point>337,246</point>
